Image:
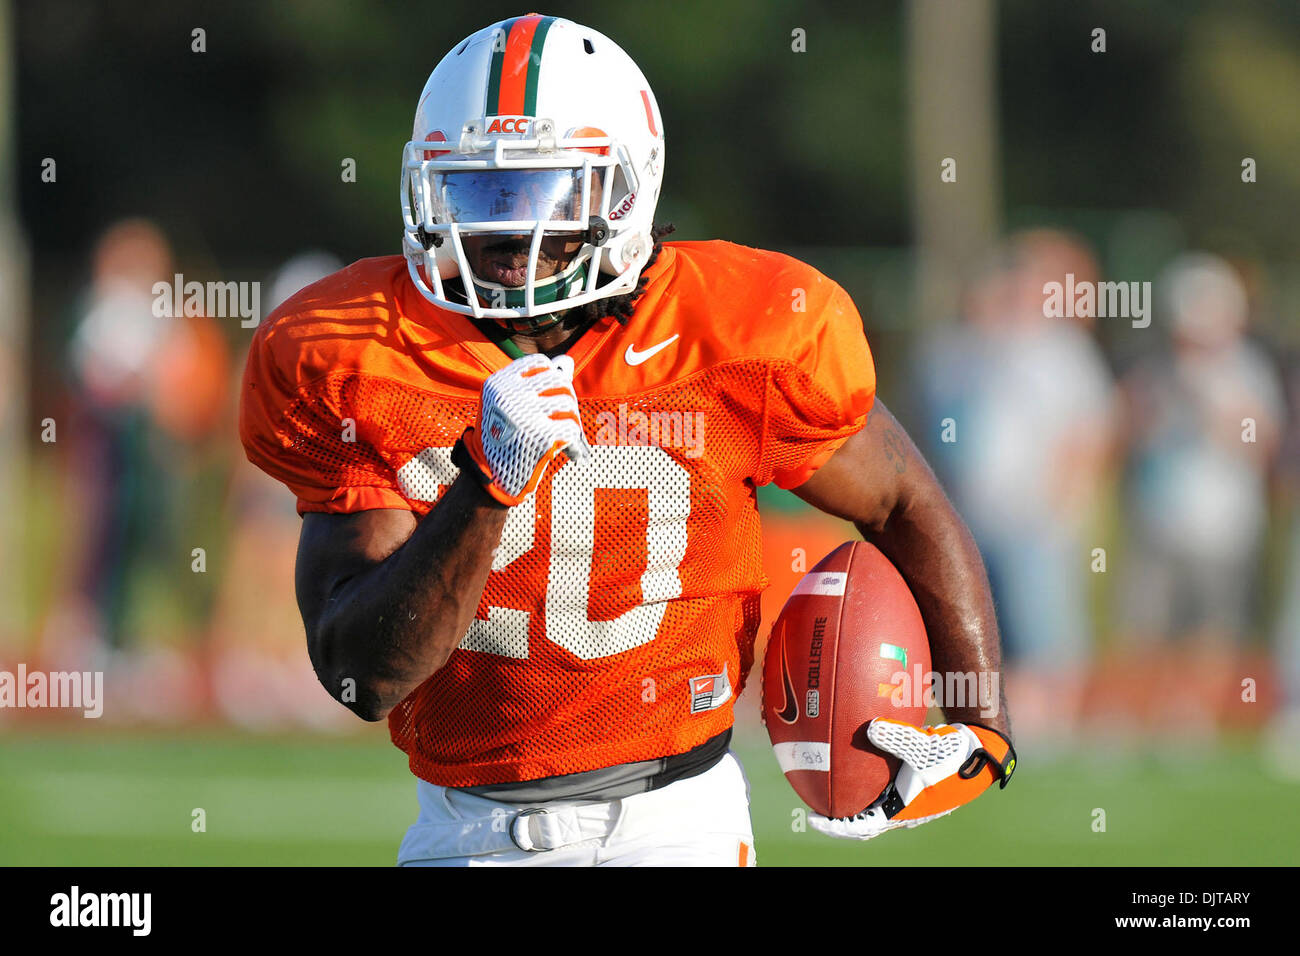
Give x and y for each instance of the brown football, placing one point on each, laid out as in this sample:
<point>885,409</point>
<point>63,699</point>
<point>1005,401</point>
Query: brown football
<point>833,662</point>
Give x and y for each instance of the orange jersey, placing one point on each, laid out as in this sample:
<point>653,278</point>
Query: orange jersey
<point>618,622</point>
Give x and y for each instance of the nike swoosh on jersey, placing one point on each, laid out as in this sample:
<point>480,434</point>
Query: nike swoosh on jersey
<point>633,357</point>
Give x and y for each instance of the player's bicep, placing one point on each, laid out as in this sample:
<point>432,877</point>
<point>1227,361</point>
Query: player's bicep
<point>335,548</point>
<point>874,472</point>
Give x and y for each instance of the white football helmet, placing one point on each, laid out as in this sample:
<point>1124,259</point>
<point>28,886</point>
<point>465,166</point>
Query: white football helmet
<point>550,129</point>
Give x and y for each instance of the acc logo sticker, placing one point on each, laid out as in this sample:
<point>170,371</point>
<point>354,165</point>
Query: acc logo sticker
<point>509,124</point>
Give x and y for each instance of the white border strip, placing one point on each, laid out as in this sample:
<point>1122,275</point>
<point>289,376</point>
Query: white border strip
<point>830,583</point>
<point>803,755</point>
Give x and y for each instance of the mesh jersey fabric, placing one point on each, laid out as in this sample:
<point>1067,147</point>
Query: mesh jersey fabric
<point>619,619</point>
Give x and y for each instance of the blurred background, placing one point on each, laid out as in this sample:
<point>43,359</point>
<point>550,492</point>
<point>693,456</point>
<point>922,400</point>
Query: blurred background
<point>1134,484</point>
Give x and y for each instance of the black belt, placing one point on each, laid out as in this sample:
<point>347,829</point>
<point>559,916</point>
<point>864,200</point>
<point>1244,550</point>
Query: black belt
<point>611,783</point>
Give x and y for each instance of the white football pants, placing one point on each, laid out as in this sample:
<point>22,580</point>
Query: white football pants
<point>700,821</point>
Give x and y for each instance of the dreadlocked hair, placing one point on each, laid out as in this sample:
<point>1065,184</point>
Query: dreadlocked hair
<point>620,307</point>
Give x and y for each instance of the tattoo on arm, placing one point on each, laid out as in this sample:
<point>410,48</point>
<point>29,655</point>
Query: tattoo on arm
<point>896,449</point>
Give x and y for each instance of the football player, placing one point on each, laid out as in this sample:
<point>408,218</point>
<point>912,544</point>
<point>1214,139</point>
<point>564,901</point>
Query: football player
<point>526,454</point>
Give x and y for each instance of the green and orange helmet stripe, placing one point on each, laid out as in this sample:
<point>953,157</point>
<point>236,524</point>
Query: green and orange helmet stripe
<point>516,65</point>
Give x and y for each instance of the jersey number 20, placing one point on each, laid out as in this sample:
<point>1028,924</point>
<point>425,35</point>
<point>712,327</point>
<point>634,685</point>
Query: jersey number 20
<point>572,547</point>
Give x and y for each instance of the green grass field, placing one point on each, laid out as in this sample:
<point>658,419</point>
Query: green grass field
<point>126,799</point>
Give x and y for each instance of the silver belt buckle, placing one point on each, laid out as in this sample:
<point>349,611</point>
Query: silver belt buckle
<point>518,817</point>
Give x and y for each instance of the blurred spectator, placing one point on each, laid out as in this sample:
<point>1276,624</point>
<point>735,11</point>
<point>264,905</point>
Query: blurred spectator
<point>1031,401</point>
<point>150,392</point>
<point>1204,416</point>
<point>112,353</point>
<point>1196,495</point>
<point>297,273</point>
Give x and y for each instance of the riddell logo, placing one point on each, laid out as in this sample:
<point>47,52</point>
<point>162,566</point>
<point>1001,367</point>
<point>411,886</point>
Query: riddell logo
<point>623,208</point>
<point>508,124</point>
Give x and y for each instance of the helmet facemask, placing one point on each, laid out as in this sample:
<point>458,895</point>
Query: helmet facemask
<point>488,197</point>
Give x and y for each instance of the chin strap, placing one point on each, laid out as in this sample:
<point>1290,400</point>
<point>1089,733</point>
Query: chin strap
<point>546,291</point>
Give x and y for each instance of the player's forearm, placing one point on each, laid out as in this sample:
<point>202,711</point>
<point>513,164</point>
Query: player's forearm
<point>390,627</point>
<point>932,548</point>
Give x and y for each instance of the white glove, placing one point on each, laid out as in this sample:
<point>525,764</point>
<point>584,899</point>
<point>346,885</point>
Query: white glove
<point>943,767</point>
<point>529,414</point>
